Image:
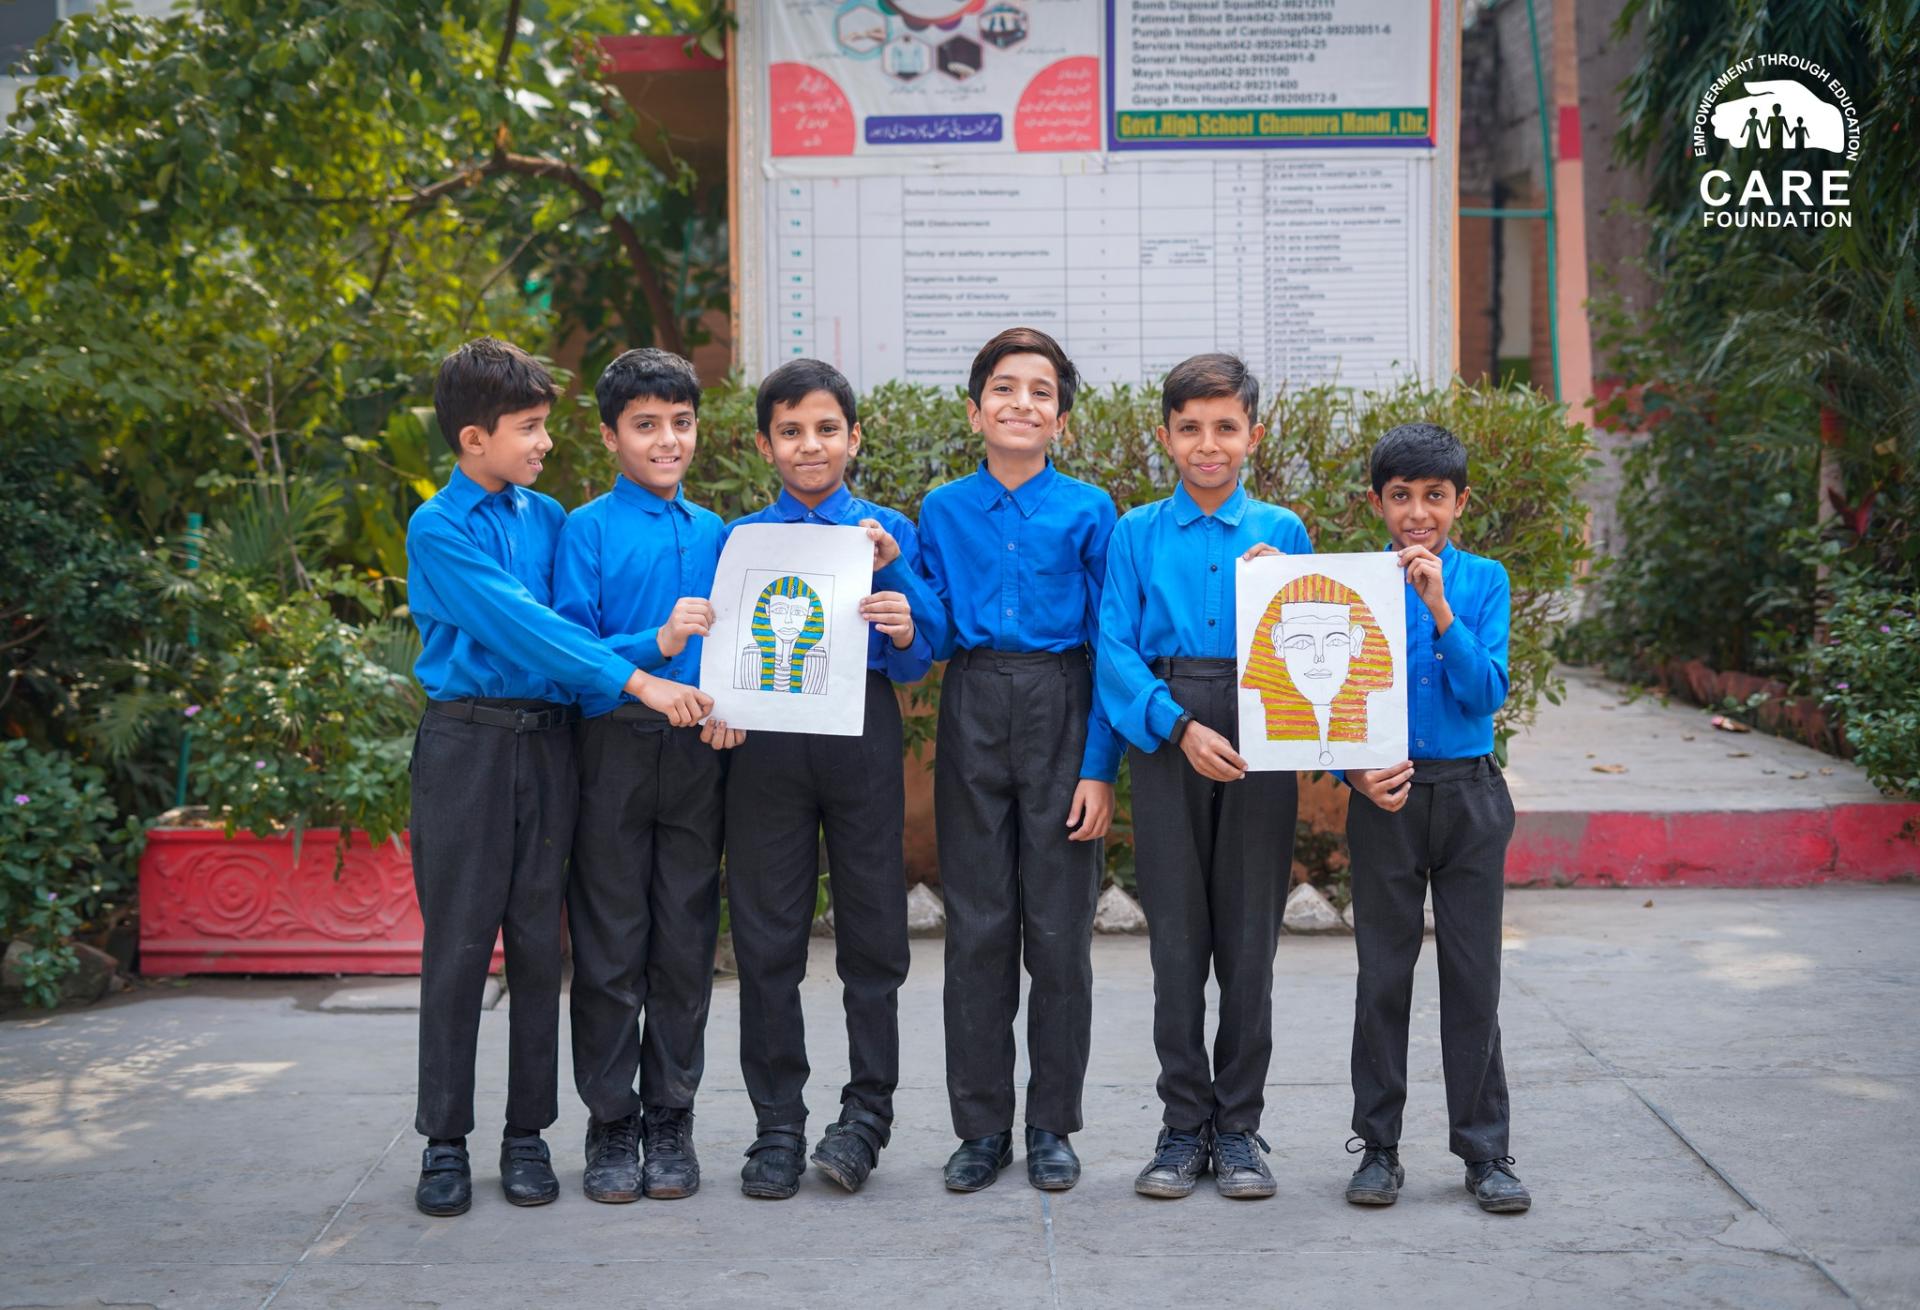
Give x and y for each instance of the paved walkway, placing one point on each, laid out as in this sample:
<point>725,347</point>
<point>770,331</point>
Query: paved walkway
<point>1714,1103</point>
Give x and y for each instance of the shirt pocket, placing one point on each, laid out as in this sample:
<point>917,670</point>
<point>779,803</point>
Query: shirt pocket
<point>1056,608</point>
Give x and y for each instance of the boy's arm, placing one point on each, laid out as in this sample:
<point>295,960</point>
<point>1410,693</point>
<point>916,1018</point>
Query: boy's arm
<point>1101,758</point>
<point>929,615</point>
<point>576,593</point>
<point>1137,704</point>
<point>1472,652</point>
<point>466,588</point>
<point>934,565</point>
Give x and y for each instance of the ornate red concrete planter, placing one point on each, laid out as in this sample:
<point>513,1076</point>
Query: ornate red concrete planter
<point>210,903</point>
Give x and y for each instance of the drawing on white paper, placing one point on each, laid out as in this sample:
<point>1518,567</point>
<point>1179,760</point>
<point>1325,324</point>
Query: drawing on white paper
<point>788,653</point>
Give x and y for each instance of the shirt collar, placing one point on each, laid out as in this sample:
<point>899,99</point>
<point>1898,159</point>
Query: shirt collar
<point>1185,510</point>
<point>1028,497</point>
<point>464,494</point>
<point>833,509</point>
<point>634,494</point>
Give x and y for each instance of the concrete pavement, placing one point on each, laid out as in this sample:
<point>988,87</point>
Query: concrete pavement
<point>1714,1101</point>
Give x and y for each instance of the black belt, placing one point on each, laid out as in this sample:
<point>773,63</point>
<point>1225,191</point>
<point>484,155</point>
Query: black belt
<point>1431,771</point>
<point>634,712</point>
<point>519,715</point>
<point>1183,666</point>
<point>1011,661</point>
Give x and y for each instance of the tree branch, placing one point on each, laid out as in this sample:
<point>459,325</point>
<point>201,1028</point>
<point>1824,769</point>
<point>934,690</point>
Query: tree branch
<point>506,43</point>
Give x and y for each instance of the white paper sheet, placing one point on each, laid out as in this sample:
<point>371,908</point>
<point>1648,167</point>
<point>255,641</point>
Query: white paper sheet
<point>788,651</point>
<point>1323,658</point>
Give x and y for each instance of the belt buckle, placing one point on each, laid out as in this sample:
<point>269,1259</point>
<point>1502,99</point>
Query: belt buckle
<point>521,719</point>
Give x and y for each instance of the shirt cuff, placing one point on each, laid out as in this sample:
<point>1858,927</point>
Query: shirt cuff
<point>1163,711</point>
<point>614,674</point>
<point>1456,642</point>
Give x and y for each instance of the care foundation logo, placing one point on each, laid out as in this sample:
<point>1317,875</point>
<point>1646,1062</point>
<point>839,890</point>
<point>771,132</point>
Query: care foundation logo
<point>1780,131</point>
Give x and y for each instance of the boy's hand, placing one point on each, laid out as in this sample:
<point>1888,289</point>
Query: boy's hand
<point>885,549</point>
<point>1091,813</point>
<point>889,612</point>
<point>1387,788</point>
<point>1212,755</point>
<point>1263,548</point>
<point>718,735</point>
<point>692,617</point>
<point>1423,571</point>
<point>684,706</point>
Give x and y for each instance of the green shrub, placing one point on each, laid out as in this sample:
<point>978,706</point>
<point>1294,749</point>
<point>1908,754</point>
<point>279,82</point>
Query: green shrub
<point>62,858</point>
<point>1870,668</point>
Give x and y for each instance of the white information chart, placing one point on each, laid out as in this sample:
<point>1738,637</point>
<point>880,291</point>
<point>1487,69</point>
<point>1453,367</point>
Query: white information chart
<point>1309,265</point>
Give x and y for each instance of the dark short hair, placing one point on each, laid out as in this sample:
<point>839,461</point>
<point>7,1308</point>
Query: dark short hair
<point>646,372</point>
<point>1024,341</point>
<point>1209,377</point>
<point>483,380</point>
<point>797,379</point>
<point>1418,450</point>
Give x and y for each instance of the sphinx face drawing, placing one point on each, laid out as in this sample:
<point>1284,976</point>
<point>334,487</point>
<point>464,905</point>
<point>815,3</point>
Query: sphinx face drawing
<point>1317,641</point>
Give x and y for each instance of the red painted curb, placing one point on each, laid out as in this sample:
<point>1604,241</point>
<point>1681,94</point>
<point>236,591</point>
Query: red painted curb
<point>1721,848</point>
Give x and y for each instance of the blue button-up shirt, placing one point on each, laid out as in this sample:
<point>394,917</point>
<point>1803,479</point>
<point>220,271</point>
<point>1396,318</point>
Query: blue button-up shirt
<point>1169,592</point>
<point>1022,570</point>
<point>623,560</point>
<point>903,576</point>
<point>1457,680</point>
<point>479,584</point>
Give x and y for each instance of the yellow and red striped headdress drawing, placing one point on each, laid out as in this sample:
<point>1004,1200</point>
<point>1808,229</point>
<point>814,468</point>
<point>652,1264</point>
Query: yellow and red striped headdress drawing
<point>1289,716</point>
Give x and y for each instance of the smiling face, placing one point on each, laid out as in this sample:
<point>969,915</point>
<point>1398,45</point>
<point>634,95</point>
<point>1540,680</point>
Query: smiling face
<point>809,443</point>
<point>1209,439</point>
<point>514,452</point>
<point>787,615</point>
<point>1419,511</point>
<point>1317,641</point>
<point>1019,409</point>
<point>653,443</point>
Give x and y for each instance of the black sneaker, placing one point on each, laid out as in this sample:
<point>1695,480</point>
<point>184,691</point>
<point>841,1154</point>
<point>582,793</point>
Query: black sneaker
<point>526,1171</point>
<point>847,1153</point>
<point>446,1180</point>
<point>1238,1170</point>
<point>1379,1178</point>
<point>613,1161</point>
<point>1179,1158</point>
<point>1497,1187</point>
<point>672,1170</point>
<point>775,1162</point>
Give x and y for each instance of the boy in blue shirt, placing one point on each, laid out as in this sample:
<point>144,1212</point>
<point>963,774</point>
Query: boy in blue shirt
<point>1213,844</point>
<point>1442,818</point>
<point>1023,774</point>
<point>494,788</point>
<point>643,897</point>
<point>784,788</point>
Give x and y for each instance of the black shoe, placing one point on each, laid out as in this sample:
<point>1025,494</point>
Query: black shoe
<point>977,1161</point>
<point>446,1181</point>
<point>526,1171</point>
<point>1051,1164</point>
<point>1238,1170</point>
<point>1179,1157</point>
<point>1497,1187</point>
<point>1379,1178</point>
<point>847,1153</point>
<point>672,1170</point>
<point>775,1162</point>
<point>613,1161</point>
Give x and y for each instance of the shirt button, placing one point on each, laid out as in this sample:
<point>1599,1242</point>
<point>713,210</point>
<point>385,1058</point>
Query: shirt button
<point>1439,657</point>
<point>1009,545</point>
<point>1423,682</point>
<point>1211,622</point>
<point>1213,568</point>
<point>1418,742</point>
<point>1009,613</point>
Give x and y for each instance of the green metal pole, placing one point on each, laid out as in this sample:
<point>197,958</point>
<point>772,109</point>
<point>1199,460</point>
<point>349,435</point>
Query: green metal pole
<point>193,640</point>
<point>1546,165</point>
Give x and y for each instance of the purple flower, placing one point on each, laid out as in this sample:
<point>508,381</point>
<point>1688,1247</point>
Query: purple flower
<point>52,897</point>
<point>261,764</point>
<point>191,710</point>
<point>1841,686</point>
<point>1885,628</point>
<point>22,799</point>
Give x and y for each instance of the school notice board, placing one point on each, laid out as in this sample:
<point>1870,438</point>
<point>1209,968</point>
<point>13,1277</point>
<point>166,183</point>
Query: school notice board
<point>1144,179</point>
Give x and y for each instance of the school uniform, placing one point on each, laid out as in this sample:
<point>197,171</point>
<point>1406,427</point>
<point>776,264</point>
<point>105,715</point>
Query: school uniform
<point>494,788</point>
<point>1020,574</point>
<point>783,790</point>
<point>1213,859</point>
<point>1452,833</point>
<point>643,897</point>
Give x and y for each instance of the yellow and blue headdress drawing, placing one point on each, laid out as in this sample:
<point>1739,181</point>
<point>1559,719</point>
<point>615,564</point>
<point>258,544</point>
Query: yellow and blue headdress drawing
<point>788,622</point>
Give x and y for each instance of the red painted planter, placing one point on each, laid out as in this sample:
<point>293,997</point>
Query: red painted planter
<point>210,903</point>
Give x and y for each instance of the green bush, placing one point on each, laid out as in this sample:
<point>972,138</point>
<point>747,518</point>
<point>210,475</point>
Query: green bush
<point>62,858</point>
<point>1870,667</point>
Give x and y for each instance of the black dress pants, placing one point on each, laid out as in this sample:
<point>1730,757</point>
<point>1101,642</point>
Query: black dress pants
<point>1214,861</point>
<point>643,908</point>
<point>493,813</point>
<point>1012,730</point>
<point>1452,832</point>
<point>783,790</point>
